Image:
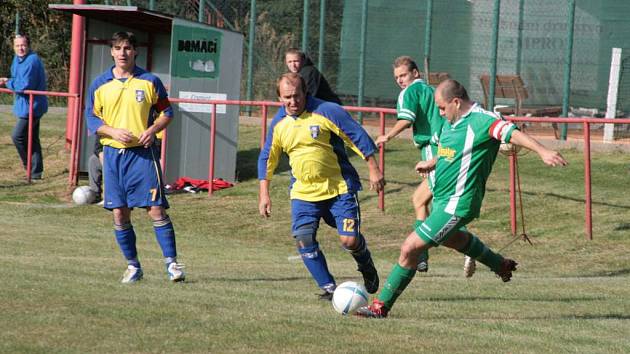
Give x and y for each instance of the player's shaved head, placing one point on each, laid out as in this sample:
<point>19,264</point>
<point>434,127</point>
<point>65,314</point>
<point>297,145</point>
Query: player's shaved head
<point>406,61</point>
<point>450,89</point>
<point>293,79</point>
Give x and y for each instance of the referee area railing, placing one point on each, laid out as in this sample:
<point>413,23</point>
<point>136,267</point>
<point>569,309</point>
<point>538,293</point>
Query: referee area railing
<point>74,130</point>
<point>76,125</point>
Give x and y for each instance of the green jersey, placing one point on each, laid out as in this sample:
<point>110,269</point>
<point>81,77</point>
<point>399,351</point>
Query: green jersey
<point>466,154</point>
<point>417,105</point>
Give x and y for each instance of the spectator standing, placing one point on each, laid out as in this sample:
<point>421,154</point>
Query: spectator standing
<point>27,73</point>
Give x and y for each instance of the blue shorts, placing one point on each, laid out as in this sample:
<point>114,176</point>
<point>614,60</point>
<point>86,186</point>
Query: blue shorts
<point>132,178</point>
<point>341,212</point>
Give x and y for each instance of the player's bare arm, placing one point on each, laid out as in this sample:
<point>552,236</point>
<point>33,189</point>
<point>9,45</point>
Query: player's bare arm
<point>264,202</point>
<point>549,157</point>
<point>3,81</point>
<point>377,181</point>
<point>426,166</point>
<point>400,125</point>
<point>148,136</point>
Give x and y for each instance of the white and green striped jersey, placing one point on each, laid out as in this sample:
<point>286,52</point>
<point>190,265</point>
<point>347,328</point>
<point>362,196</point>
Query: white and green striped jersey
<point>466,154</point>
<point>417,105</point>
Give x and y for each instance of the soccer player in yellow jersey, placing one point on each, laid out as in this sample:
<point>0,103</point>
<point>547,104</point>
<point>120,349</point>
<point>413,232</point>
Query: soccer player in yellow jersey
<point>127,106</point>
<point>324,185</point>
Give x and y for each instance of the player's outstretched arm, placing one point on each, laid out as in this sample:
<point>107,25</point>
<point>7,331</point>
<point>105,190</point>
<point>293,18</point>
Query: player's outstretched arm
<point>264,202</point>
<point>400,125</point>
<point>425,166</point>
<point>549,157</point>
<point>377,181</point>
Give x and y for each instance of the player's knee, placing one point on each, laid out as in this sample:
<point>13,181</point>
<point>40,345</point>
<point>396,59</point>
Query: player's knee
<point>121,216</point>
<point>305,235</point>
<point>350,243</point>
<point>157,213</point>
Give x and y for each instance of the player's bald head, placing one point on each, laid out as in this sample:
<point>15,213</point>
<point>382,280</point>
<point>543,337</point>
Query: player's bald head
<point>292,79</point>
<point>450,89</point>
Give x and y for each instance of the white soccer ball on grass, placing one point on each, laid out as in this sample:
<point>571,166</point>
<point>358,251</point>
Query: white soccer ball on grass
<point>509,149</point>
<point>83,195</point>
<point>349,297</point>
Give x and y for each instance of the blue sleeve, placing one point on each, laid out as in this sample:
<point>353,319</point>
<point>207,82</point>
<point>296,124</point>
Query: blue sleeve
<point>93,120</point>
<point>270,154</point>
<point>350,127</point>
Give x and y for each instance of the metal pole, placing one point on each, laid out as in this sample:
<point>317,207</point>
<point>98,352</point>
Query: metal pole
<point>364,15</point>
<point>587,181</point>
<point>250,53</point>
<point>128,2</point>
<point>76,70</point>
<point>513,222</point>
<point>427,40</point>
<point>567,68</point>
<point>17,23</point>
<point>519,38</point>
<point>322,34</point>
<point>106,2</point>
<point>305,27</point>
<point>493,59</point>
<point>200,14</point>
<point>151,4</point>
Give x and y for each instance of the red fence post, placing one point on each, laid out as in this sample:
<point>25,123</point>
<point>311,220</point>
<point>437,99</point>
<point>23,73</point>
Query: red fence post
<point>213,126</point>
<point>587,181</point>
<point>381,161</point>
<point>263,134</point>
<point>513,222</point>
<point>163,153</point>
<point>29,149</point>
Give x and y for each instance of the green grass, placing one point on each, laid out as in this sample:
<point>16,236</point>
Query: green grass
<point>61,268</point>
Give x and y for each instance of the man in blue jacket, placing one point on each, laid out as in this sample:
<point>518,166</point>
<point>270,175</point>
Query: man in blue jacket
<point>27,73</point>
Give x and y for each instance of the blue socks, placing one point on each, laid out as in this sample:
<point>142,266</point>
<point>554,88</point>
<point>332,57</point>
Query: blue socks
<point>165,236</point>
<point>315,262</point>
<point>126,238</point>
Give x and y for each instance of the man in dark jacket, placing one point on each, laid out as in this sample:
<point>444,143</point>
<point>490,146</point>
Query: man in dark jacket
<point>27,73</point>
<point>316,84</point>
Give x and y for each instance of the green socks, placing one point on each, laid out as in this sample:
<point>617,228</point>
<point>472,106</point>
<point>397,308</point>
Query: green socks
<point>479,251</point>
<point>396,283</point>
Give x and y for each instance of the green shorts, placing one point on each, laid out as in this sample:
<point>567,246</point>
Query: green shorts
<point>439,226</point>
<point>428,152</point>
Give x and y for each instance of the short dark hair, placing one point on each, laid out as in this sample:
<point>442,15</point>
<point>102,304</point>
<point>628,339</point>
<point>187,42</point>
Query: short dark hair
<point>123,36</point>
<point>450,89</point>
<point>25,36</point>
<point>406,61</point>
<point>294,50</point>
<point>293,78</point>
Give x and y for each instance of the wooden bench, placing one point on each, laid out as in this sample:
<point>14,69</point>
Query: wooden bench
<point>513,87</point>
<point>436,77</point>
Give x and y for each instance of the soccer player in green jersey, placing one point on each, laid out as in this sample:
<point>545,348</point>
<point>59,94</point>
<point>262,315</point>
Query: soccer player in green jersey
<point>468,148</point>
<point>416,108</point>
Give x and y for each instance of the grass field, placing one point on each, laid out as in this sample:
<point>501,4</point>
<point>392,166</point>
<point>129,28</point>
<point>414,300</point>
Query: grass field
<point>61,268</point>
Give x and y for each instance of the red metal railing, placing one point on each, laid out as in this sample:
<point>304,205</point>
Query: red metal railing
<point>75,129</point>
<point>264,105</point>
<point>587,164</point>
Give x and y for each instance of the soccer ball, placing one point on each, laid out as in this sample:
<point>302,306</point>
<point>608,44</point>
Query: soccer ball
<point>349,297</point>
<point>83,195</point>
